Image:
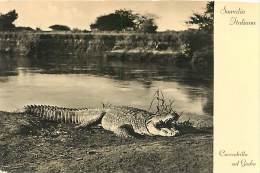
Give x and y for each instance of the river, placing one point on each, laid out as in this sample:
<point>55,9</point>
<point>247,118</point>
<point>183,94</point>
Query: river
<point>91,82</point>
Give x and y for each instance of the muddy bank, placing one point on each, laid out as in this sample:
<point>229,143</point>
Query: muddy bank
<point>86,43</point>
<point>31,145</point>
<point>164,48</point>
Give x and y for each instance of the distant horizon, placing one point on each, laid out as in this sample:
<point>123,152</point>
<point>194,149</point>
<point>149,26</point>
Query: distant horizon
<point>171,15</point>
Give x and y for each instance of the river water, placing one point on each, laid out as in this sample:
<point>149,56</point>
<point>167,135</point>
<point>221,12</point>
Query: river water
<point>79,83</point>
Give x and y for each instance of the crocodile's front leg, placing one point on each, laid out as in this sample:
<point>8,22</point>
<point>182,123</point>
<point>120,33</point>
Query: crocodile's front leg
<point>125,131</point>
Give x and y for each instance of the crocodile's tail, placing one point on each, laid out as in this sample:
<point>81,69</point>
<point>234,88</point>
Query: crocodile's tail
<point>54,113</point>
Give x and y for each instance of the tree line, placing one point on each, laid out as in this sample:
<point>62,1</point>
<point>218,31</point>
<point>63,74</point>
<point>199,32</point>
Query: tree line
<point>119,20</point>
<point>197,41</point>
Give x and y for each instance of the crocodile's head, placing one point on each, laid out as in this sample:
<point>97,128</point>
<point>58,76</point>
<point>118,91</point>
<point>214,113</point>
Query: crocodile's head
<point>163,125</point>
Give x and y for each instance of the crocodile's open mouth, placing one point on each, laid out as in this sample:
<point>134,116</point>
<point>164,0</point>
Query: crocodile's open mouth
<point>163,125</point>
<point>168,123</point>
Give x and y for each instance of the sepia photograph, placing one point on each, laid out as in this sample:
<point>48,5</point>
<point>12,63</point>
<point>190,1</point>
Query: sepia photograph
<point>106,86</point>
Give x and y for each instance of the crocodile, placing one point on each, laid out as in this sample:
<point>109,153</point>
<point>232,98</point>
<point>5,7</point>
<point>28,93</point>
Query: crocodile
<point>124,121</point>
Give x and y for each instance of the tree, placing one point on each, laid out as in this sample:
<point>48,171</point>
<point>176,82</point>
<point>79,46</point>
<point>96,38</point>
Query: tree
<point>122,20</point>
<point>38,29</point>
<point>204,21</point>
<point>76,30</point>
<point>195,39</point>
<point>60,28</point>
<point>6,21</point>
<point>146,24</point>
<point>199,42</point>
<point>127,18</point>
<point>117,21</point>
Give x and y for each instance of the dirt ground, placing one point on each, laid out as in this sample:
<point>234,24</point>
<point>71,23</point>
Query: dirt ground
<point>32,145</point>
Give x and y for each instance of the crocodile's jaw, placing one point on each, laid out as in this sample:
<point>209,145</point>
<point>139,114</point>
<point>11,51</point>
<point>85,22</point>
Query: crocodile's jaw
<point>162,126</point>
<point>162,132</point>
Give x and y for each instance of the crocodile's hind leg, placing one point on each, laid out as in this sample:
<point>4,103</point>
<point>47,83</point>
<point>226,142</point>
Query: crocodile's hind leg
<point>126,131</point>
<point>86,124</point>
<point>94,120</point>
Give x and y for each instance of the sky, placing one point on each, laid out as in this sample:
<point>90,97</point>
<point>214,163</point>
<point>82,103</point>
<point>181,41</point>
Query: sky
<point>171,15</point>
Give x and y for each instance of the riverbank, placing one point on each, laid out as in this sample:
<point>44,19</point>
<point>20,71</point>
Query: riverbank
<point>30,145</point>
<point>163,47</point>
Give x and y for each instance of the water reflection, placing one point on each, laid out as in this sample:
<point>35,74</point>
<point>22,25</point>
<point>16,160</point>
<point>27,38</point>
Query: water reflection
<point>75,82</point>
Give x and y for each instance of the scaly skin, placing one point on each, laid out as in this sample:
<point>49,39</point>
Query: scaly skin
<point>122,120</point>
